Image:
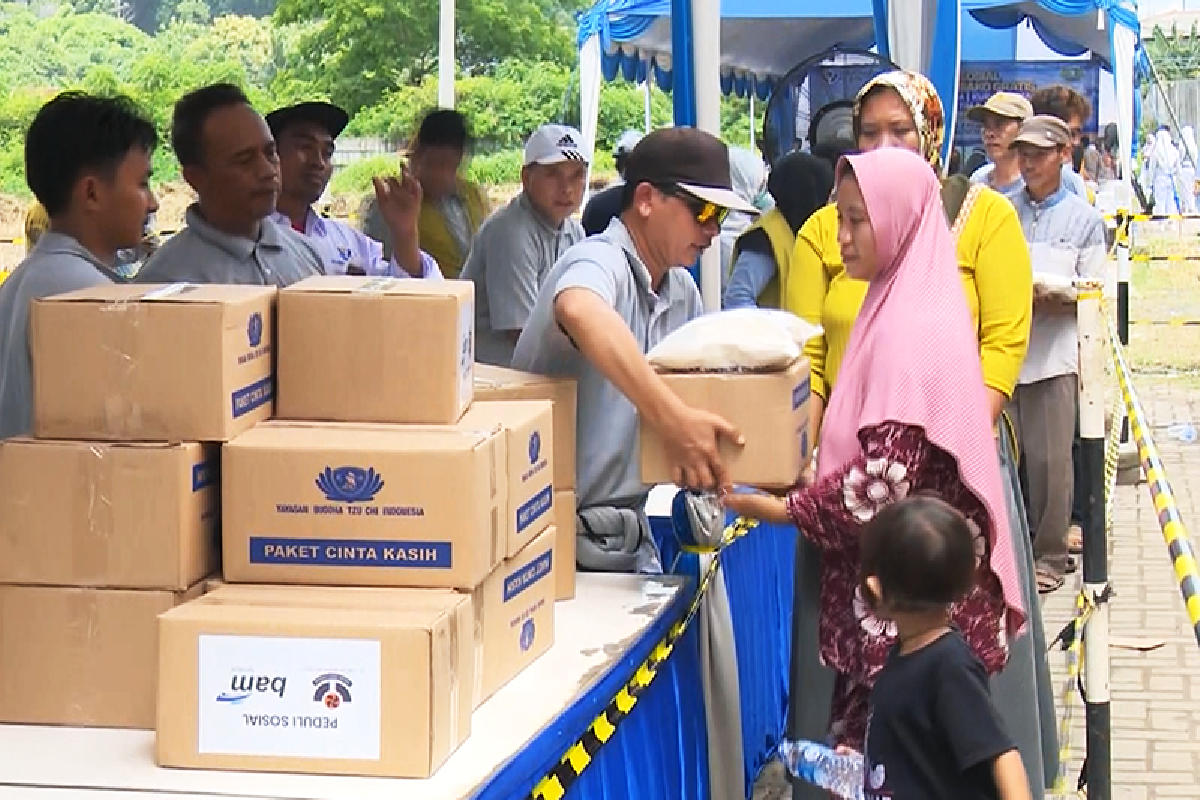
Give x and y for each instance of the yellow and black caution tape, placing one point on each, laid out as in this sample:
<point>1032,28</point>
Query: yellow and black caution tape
<point>1072,638</point>
<point>579,755</point>
<point>1152,217</point>
<point>1183,556</point>
<point>1145,258</point>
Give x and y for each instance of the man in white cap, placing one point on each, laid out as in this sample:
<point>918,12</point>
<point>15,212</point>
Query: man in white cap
<point>518,244</point>
<point>1001,117</point>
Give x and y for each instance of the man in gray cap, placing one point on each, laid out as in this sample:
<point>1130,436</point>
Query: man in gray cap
<point>1000,117</point>
<point>1066,241</point>
<point>607,301</point>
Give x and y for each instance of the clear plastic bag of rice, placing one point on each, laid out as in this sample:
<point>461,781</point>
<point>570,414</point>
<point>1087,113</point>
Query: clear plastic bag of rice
<point>744,339</point>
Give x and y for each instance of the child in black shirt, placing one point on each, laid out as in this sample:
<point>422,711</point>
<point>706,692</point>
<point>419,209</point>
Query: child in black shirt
<point>933,733</point>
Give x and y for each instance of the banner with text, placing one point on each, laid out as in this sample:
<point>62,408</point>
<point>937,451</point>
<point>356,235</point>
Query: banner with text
<point>979,80</point>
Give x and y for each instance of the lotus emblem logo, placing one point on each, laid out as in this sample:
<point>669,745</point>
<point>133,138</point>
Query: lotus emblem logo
<point>527,633</point>
<point>254,329</point>
<point>350,484</point>
<point>535,447</point>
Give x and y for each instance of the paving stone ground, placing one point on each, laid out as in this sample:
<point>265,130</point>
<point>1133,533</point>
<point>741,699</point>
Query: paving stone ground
<point>1155,694</point>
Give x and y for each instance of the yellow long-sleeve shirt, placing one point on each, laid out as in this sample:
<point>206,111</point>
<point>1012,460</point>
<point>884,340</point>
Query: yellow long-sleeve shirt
<point>993,259</point>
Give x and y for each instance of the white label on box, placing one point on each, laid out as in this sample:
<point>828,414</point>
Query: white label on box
<point>289,697</point>
<point>169,291</point>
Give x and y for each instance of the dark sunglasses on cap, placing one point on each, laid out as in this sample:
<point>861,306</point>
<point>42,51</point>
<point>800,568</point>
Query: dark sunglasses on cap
<point>704,211</point>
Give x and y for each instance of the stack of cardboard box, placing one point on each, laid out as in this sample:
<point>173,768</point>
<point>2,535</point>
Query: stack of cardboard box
<point>111,516</point>
<point>388,547</point>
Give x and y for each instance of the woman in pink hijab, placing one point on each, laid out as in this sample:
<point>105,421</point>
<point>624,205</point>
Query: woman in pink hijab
<point>909,413</point>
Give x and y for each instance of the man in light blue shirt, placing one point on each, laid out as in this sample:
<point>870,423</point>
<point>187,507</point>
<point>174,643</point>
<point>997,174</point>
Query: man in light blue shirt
<point>304,136</point>
<point>601,308</point>
<point>1001,117</point>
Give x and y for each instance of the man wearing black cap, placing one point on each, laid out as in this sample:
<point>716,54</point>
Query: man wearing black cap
<point>599,310</point>
<point>304,136</point>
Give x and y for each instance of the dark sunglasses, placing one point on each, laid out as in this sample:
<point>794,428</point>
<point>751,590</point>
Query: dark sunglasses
<point>704,211</point>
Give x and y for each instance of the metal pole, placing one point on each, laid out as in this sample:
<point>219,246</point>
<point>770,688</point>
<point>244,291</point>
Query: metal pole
<point>1124,276</point>
<point>646,99</point>
<point>752,117</point>
<point>706,69</point>
<point>446,54</point>
<point>1095,538</point>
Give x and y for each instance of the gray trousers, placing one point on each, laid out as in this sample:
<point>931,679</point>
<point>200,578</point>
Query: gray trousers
<point>1044,416</point>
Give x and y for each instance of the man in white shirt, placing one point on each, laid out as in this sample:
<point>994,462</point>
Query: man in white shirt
<point>1066,239</point>
<point>304,137</point>
<point>518,245</point>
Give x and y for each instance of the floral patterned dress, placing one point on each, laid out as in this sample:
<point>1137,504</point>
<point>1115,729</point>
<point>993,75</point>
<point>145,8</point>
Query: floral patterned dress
<point>896,460</point>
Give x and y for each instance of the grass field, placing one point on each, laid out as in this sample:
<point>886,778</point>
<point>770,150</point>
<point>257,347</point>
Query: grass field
<point>1164,303</point>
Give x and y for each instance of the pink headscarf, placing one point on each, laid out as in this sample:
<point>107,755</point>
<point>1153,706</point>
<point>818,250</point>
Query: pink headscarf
<point>913,356</point>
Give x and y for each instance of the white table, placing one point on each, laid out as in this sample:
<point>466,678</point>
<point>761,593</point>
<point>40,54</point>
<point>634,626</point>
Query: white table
<point>592,632</point>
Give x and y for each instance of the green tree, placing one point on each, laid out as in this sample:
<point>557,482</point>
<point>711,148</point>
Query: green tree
<point>1176,56</point>
<point>363,48</point>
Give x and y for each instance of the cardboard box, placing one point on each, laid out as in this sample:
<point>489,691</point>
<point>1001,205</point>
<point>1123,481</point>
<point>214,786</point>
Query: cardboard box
<point>514,616</point>
<point>527,426</point>
<point>564,545</point>
<point>499,383</point>
<point>400,600</point>
<point>136,516</point>
<point>126,362</point>
<point>763,406</point>
<point>84,657</point>
<point>315,686</point>
<point>364,505</point>
<point>359,349</point>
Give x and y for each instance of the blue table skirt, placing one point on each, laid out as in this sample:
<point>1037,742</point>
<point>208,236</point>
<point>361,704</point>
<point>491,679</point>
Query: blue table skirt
<point>759,572</point>
<point>660,750</point>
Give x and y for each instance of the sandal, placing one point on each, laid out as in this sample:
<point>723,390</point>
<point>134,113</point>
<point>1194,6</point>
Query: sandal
<point>1048,581</point>
<point>1075,540</point>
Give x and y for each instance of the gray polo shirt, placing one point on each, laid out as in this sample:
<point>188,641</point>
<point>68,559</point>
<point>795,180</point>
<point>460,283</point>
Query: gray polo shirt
<point>608,472</point>
<point>512,252</point>
<point>202,254</point>
<point>57,264</point>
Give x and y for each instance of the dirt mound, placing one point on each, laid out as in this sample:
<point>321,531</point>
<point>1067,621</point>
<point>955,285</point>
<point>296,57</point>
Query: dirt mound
<point>173,200</point>
<point>12,216</point>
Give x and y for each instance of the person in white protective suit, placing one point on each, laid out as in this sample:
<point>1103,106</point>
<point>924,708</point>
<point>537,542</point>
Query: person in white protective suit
<point>1162,172</point>
<point>1187,170</point>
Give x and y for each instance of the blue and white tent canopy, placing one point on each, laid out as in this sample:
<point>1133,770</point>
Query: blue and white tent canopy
<point>760,39</point>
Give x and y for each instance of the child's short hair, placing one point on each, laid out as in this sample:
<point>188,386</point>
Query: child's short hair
<point>922,550</point>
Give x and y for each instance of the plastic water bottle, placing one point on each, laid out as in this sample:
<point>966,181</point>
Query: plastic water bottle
<point>840,773</point>
<point>1185,432</point>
